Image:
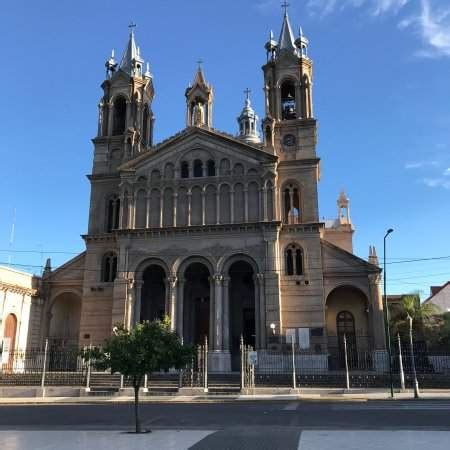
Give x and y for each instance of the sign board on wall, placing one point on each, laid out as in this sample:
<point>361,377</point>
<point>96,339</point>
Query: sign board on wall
<point>253,358</point>
<point>291,335</point>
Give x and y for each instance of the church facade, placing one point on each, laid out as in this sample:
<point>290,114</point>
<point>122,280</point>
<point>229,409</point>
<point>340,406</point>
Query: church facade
<point>220,232</point>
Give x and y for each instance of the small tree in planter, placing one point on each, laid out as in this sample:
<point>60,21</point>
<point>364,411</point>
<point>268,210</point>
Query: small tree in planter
<point>146,348</point>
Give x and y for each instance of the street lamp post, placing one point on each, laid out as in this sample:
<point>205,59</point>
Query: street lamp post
<point>386,316</point>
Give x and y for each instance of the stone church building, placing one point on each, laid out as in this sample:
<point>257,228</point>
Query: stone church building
<point>220,232</point>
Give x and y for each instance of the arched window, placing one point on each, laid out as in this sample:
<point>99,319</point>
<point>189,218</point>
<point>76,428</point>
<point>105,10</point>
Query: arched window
<point>109,267</point>
<point>211,165</point>
<point>184,169</point>
<point>198,168</point>
<point>120,114</point>
<point>291,202</point>
<point>294,260</point>
<point>288,105</point>
<point>112,214</point>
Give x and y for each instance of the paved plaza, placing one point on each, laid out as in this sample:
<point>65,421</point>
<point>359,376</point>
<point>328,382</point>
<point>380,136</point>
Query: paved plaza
<point>284,425</point>
<point>231,439</point>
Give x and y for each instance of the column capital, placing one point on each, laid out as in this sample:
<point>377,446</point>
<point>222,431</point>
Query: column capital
<point>172,280</point>
<point>218,278</point>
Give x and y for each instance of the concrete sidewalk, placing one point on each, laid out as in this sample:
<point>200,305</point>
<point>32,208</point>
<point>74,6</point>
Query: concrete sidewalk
<point>358,395</point>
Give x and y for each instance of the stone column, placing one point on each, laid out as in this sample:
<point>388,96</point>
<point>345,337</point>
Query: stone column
<point>203,207</point>
<point>147,212</point>
<point>246,204</point>
<point>257,312</point>
<point>161,209</point>
<point>130,211</point>
<point>128,115</point>
<point>179,306</point>
<point>264,204</point>
<point>110,119</point>
<point>212,316</point>
<point>175,201</point>
<point>226,313</point>
<point>189,196</point>
<point>232,205</point>
<point>130,303</point>
<point>376,312</point>
<point>218,321</point>
<point>218,205</point>
<point>137,302</point>
<point>172,310</point>
<point>262,310</point>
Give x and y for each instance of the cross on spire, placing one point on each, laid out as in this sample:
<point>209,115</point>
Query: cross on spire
<point>200,62</point>
<point>247,93</point>
<point>285,5</point>
<point>131,26</point>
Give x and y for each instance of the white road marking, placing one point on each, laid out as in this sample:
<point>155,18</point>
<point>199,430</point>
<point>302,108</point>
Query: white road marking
<point>100,440</point>
<point>426,406</point>
<point>374,440</point>
<point>292,406</point>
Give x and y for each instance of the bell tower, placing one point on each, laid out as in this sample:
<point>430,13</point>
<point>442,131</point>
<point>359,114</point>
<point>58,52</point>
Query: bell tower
<point>125,125</point>
<point>289,127</point>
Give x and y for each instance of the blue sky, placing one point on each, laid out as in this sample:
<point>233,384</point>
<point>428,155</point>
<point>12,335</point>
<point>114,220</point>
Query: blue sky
<point>381,96</point>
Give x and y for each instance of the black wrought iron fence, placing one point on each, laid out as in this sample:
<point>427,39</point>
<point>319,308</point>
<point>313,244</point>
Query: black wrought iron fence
<point>29,367</point>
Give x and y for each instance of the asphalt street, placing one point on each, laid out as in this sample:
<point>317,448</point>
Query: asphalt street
<point>242,424</point>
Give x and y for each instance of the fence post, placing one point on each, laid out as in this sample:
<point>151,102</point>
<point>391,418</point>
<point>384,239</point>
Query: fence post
<point>400,359</point>
<point>44,368</point>
<point>413,362</point>
<point>88,375</point>
<point>145,383</point>
<point>242,363</point>
<point>347,376</point>
<point>206,364</point>
<point>294,377</point>
<point>121,381</point>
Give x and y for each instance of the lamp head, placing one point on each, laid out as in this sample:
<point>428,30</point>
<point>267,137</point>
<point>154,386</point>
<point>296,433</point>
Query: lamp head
<point>390,231</point>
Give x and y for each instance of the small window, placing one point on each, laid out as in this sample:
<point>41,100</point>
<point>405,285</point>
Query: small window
<point>198,168</point>
<point>112,214</point>
<point>109,268</point>
<point>184,169</point>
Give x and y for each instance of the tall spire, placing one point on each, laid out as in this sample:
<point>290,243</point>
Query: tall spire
<point>132,61</point>
<point>286,41</point>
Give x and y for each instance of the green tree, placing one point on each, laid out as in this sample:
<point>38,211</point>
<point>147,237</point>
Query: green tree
<point>146,348</point>
<point>413,313</point>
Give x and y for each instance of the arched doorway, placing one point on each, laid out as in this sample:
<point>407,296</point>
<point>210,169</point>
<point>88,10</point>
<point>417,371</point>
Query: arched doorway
<point>196,303</point>
<point>242,308</point>
<point>65,318</point>
<point>347,315</point>
<point>153,294</point>
<point>9,340</point>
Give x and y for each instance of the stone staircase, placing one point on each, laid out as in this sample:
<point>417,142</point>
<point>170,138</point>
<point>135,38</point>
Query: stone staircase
<point>224,383</point>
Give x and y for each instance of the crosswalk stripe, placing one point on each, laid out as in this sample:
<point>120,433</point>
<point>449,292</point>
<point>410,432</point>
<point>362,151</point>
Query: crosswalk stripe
<point>291,406</point>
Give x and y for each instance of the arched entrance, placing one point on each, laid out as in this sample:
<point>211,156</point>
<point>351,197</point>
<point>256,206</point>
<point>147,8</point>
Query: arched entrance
<point>347,315</point>
<point>196,303</point>
<point>242,308</point>
<point>65,316</point>
<point>153,294</point>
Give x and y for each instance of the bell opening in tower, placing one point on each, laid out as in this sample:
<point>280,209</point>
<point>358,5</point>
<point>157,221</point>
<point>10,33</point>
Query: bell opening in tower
<point>288,104</point>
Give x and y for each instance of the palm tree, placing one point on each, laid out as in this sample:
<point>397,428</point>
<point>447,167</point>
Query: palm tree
<point>417,313</point>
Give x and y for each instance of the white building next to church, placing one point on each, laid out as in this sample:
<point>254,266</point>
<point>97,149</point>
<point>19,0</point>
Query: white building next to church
<point>220,232</point>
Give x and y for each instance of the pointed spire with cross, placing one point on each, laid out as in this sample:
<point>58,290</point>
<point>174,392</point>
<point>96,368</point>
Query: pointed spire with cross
<point>285,5</point>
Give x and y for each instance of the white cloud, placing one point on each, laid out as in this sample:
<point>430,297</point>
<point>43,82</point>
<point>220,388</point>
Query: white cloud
<point>421,164</point>
<point>434,25</point>
<point>437,182</point>
<point>447,172</point>
<point>376,7</point>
